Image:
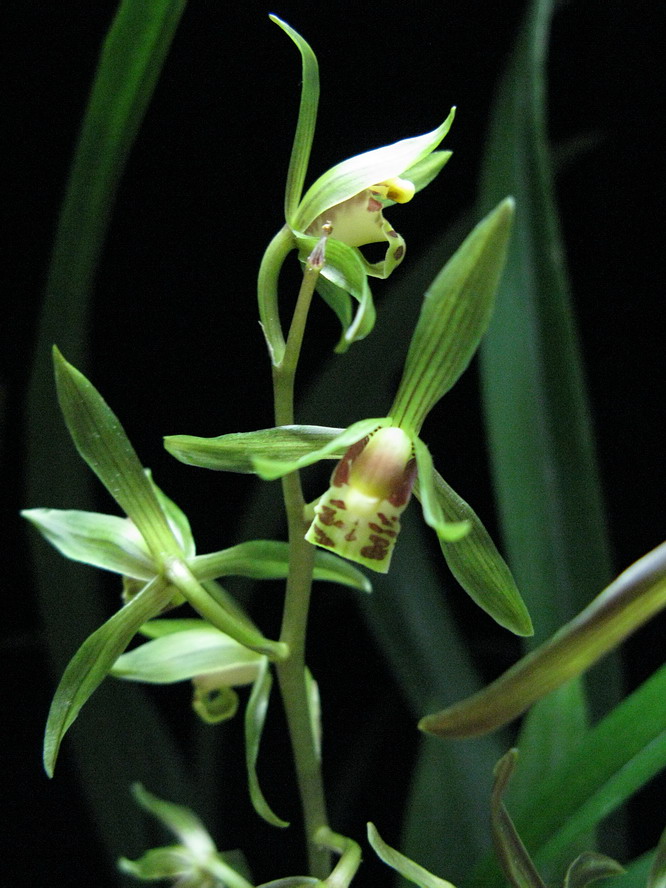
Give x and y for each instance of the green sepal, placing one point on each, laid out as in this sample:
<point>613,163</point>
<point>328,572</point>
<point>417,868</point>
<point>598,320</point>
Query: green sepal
<point>269,560</point>
<point>455,314</point>
<point>516,863</point>
<point>93,660</point>
<point>196,651</point>
<point>657,877</point>
<point>176,518</point>
<point>255,717</point>
<point>631,600</point>
<point>346,270</point>
<point>270,469</point>
<point>357,173</point>
<point>307,116</point>
<point>590,866</point>
<point>236,452</point>
<point>477,565</point>
<point>101,441</point>
<point>447,531</point>
<point>104,541</point>
<point>411,871</point>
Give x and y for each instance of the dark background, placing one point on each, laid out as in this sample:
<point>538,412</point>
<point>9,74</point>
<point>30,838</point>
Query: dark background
<point>175,343</point>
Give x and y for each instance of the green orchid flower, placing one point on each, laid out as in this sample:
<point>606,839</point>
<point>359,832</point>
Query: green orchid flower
<point>346,203</point>
<point>194,862</point>
<point>381,461</point>
<point>152,548</point>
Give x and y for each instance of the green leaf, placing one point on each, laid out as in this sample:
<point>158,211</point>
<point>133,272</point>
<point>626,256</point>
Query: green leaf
<point>188,654</point>
<point>657,877</point>
<point>454,316</point>
<point>92,662</point>
<point>537,414</point>
<point>269,559</point>
<point>403,865</point>
<point>589,867</point>
<point>236,452</point>
<point>307,116</point>
<point>514,859</point>
<point>357,173</point>
<point>270,469</point>
<point>104,541</point>
<point>103,444</point>
<point>637,595</point>
<point>255,716</point>
<point>477,565</point>
<point>613,760</point>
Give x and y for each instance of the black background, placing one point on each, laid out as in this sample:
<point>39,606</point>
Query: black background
<point>175,343</point>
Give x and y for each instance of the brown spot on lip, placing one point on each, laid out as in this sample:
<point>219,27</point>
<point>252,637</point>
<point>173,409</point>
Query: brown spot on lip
<point>321,538</point>
<point>399,253</point>
<point>379,549</point>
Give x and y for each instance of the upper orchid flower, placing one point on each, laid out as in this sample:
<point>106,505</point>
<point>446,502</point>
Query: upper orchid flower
<point>346,202</point>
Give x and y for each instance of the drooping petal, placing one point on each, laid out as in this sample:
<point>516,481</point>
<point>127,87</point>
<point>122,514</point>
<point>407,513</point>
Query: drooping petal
<point>448,531</point>
<point>355,174</point>
<point>359,516</point>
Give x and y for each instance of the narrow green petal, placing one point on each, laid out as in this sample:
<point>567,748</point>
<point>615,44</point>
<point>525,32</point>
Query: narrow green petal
<point>423,172</point>
<point>403,865</point>
<point>103,444</point>
<point>269,559</point>
<point>455,315</point>
<point>307,116</point>
<point>93,660</point>
<point>514,859</point>
<point>357,173</point>
<point>477,565</point>
<point>105,541</point>
<point>236,452</point>
<point>184,655</point>
<point>447,531</point>
<point>270,469</point>
<point>182,822</point>
<point>347,270</point>
<point>632,599</point>
<point>255,717</point>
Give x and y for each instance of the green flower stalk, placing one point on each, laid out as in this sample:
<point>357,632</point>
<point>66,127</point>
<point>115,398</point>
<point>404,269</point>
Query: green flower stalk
<point>348,201</point>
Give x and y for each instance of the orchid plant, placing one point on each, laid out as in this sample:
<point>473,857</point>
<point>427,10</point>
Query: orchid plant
<point>379,463</point>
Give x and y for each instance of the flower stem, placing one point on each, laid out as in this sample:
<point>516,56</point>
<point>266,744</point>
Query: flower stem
<point>291,672</point>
